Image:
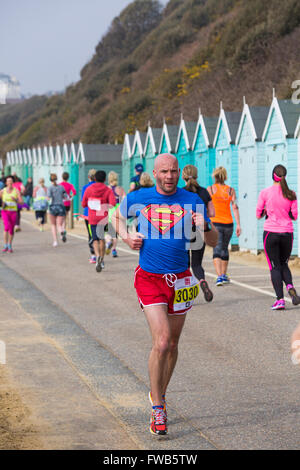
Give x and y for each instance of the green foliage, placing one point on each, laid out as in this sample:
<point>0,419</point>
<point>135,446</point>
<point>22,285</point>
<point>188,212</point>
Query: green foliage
<point>171,40</point>
<point>127,31</point>
<point>13,114</point>
<point>253,46</point>
<point>136,104</point>
<point>171,6</point>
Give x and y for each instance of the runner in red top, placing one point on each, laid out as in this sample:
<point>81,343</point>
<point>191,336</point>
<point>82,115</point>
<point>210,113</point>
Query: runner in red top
<point>98,198</point>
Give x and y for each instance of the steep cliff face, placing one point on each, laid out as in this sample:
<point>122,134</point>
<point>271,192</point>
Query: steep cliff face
<point>154,64</point>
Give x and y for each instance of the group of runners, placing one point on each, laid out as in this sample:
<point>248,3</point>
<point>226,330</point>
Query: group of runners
<point>173,226</point>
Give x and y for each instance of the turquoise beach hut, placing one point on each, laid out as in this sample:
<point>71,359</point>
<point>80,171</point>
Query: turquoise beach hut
<point>126,153</point>
<point>45,165</point>
<point>35,166</point>
<point>251,173</point>
<point>30,163</point>
<point>100,157</point>
<point>168,139</point>
<point>227,150</point>
<point>151,149</point>
<point>137,153</point>
<point>184,144</point>
<point>203,149</point>
<point>297,136</point>
<point>281,146</point>
<point>8,163</point>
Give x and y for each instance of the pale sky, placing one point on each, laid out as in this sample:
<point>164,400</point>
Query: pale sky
<point>45,43</point>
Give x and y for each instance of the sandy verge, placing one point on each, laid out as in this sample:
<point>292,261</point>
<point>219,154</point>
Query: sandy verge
<point>17,431</point>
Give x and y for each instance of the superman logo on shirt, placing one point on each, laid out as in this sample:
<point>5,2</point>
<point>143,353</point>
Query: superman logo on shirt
<point>163,218</point>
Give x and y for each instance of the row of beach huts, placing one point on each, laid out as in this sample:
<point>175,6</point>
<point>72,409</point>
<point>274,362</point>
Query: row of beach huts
<point>248,144</point>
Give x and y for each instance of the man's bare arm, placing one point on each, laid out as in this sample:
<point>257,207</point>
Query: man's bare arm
<point>134,240</point>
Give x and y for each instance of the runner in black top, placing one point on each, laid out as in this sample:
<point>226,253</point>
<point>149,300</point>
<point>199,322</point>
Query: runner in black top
<point>190,175</point>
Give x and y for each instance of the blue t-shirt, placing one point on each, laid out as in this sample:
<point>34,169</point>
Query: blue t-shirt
<point>86,209</point>
<point>166,223</point>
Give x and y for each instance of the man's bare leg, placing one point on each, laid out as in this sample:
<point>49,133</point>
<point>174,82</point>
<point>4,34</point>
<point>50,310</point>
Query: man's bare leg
<point>157,317</point>
<point>166,331</point>
<point>176,325</point>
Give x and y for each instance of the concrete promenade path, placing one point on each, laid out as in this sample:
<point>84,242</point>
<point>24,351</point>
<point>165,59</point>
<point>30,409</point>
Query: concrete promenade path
<point>77,347</point>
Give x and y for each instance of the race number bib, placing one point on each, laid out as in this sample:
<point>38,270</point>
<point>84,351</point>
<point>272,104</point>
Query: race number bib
<point>94,204</point>
<point>186,290</point>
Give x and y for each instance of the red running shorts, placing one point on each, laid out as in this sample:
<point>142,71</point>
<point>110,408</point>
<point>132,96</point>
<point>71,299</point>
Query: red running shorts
<point>152,289</point>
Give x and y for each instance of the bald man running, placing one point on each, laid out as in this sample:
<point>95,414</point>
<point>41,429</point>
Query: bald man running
<point>165,286</point>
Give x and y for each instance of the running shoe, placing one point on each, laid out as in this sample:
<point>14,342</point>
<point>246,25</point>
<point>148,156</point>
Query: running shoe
<point>64,236</point>
<point>208,295</point>
<point>292,292</point>
<point>219,281</point>
<point>10,250</point>
<point>55,244</point>
<point>5,249</point>
<point>158,421</point>
<point>92,259</point>
<point>114,253</point>
<point>102,264</point>
<point>108,247</point>
<point>225,279</point>
<point>279,305</point>
<point>98,265</point>
<point>164,403</point>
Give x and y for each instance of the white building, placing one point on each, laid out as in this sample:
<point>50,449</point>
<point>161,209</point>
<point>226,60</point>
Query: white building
<point>10,89</point>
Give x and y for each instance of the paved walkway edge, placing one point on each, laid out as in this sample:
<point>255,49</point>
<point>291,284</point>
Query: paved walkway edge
<point>112,382</point>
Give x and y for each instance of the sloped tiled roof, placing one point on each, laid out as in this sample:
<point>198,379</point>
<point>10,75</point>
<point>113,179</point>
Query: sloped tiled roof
<point>102,153</point>
<point>157,136</point>
<point>190,130</point>
<point>173,134</point>
<point>210,126</point>
<point>290,113</point>
<point>259,116</point>
<point>233,121</point>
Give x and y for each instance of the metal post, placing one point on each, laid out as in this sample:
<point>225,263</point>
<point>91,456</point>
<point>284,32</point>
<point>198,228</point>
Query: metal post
<point>71,218</point>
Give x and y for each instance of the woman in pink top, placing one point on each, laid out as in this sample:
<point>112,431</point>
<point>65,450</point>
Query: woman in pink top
<point>279,205</point>
<point>70,190</point>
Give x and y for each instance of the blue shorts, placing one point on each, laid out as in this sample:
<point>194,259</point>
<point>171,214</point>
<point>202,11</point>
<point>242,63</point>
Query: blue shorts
<point>97,232</point>
<point>58,210</point>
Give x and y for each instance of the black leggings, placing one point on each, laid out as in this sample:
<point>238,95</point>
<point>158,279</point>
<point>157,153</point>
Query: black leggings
<point>88,227</point>
<point>225,232</point>
<point>278,248</point>
<point>40,215</point>
<point>196,257</point>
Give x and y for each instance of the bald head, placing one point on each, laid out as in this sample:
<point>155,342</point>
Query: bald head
<point>166,172</point>
<point>164,159</point>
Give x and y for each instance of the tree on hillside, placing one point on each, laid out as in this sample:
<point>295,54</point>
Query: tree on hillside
<point>128,30</point>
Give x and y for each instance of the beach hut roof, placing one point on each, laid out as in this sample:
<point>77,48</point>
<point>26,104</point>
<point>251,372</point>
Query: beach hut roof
<point>231,122</point>
<point>288,115</point>
<point>171,134</point>
<point>154,136</point>
<point>210,126</point>
<point>139,140</point>
<point>257,116</point>
<point>188,129</point>
<point>128,143</point>
<point>297,131</point>
<point>101,153</point>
